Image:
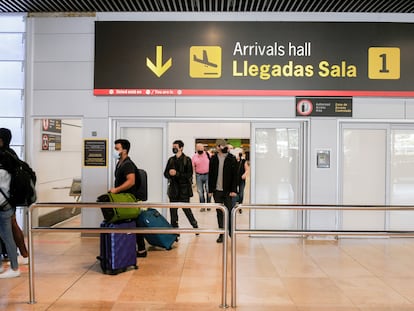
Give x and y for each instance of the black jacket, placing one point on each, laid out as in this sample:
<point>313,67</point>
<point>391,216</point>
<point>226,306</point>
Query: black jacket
<point>230,173</point>
<point>179,186</point>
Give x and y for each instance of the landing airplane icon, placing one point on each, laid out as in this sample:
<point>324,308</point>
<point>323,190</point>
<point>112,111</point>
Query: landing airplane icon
<point>204,60</point>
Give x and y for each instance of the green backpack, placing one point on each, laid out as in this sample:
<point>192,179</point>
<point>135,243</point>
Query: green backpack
<point>112,215</point>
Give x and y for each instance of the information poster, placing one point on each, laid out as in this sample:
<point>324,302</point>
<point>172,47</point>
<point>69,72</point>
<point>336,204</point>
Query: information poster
<point>95,152</point>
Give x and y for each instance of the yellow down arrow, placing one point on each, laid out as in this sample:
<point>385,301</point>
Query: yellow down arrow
<point>159,69</point>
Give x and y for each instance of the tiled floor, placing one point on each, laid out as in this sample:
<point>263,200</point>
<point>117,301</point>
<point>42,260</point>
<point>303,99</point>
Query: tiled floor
<point>273,274</point>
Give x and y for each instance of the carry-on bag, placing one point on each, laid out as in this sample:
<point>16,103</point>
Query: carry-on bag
<point>112,215</point>
<point>152,218</point>
<point>117,250</point>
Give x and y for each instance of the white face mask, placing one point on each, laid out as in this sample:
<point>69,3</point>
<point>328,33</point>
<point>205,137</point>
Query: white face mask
<point>116,155</point>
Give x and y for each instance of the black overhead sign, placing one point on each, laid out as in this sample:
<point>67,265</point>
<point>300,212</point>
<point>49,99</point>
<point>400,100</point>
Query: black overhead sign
<point>254,58</point>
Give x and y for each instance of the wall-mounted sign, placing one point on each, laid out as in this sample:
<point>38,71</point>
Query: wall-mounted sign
<point>51,134</point>
<point>95,152</point>
<point>139,58</point>
<point>51,142</point>
<point>52,125</point>
<point>324,106</point>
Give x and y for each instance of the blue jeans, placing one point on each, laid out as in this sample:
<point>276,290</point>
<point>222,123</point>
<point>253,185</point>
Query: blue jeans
<point>6,235</point>
<point>202,188</point>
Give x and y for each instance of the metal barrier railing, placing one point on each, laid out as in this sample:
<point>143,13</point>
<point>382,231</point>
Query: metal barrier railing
<point>235,231</point>
<point>130,230</point>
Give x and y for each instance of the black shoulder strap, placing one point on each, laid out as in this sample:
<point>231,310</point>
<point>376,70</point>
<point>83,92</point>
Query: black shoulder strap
<point>5,196</point>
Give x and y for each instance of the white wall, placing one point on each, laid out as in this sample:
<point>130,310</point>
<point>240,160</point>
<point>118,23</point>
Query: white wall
<point>60,55</point>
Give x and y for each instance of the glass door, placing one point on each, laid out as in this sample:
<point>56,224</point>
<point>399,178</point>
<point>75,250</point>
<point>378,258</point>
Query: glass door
<point>277,173</point>
<point>401,176</point>
<point>364,173</point>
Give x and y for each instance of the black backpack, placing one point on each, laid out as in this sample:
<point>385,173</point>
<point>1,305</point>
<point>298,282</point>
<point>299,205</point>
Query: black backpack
<point>22,184</point>
<point>141,181</point>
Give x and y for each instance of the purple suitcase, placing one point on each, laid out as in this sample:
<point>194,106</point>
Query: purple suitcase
<point>118,250</point>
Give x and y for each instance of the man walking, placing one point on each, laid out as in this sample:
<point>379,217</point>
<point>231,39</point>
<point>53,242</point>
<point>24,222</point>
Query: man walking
<point>179,172</point>
<point>222,181</point>
<point>201,162</point>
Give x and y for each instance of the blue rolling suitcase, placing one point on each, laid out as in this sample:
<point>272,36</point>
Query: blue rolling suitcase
<point>151,218</point>
<point>118,250</point>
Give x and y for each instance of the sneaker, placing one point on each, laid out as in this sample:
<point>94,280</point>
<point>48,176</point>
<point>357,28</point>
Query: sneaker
<point>24,261</point>
<point>220,239</point>
<point>10,273</point>
<point>202,209</point>
<point>208,209</point>
<point>240,211</point>
<point>142,254</point>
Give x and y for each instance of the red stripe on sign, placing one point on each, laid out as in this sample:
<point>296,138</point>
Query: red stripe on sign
<point>201,92</point>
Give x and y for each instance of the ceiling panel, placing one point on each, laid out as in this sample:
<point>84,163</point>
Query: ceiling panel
<point>349,6</point>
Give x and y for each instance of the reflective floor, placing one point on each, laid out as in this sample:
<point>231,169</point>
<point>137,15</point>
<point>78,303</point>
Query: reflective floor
<point>273,274</point>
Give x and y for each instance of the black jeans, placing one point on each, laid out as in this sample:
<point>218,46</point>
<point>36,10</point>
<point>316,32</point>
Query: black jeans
<point>226,199</point>
<point>140,242</point>
<point>188,213</point>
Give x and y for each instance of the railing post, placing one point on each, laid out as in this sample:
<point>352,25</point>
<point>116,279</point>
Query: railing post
<point>224,265</point>
<point>31,257</point>
<point>233,255</point>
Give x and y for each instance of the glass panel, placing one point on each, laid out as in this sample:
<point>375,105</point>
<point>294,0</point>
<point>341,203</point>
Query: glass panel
<point>11,46</point>
<point>12,22</point>
<point>12,57</point>
<point>277,164</point>
<point>149,139</point>
<point>402,178</point>
<point>15,126</point>
<point>11,103</point>
<point>364,175</point>
<point>14,79</point>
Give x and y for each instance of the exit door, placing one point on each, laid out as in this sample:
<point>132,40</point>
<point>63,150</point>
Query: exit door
<point>147,151</point>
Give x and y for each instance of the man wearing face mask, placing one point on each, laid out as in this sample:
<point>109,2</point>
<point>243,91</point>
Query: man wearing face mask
<point>179,172</point>
<point>125,181</point>
<point>222,181</point>
<point>201,161</point>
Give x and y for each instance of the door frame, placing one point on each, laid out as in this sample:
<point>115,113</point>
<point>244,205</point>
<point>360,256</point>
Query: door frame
<point>304,158</point>
<point>118,123</point>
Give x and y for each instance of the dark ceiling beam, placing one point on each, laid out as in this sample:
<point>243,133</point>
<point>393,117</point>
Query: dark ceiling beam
<point>12,6</point>
<point>347,6</point>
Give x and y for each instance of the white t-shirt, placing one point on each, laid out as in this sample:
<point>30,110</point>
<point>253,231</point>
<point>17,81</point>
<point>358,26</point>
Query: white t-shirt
<point>4,184</point>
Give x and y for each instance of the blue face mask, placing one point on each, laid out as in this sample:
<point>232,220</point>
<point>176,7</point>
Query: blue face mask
<point>116,155</point>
